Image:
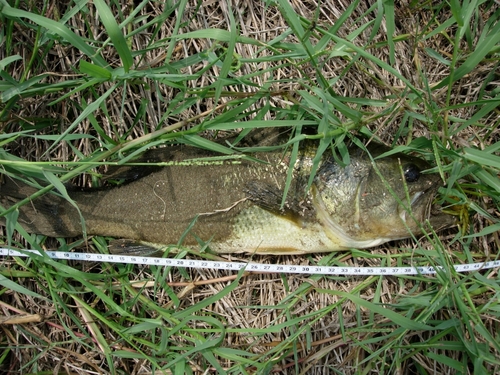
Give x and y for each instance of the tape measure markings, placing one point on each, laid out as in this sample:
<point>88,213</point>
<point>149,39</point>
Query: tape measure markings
<point>255,267</point>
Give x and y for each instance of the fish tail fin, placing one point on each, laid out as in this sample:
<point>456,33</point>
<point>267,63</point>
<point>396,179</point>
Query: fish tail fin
<point>49,215</point>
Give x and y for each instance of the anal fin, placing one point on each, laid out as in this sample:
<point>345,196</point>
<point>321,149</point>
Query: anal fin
<point>134,247</point>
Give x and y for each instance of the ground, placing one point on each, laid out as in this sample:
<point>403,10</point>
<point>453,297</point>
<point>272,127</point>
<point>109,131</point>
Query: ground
<point>86,84</point>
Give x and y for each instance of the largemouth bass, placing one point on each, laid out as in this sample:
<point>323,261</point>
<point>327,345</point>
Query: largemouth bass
<point>236,206</point>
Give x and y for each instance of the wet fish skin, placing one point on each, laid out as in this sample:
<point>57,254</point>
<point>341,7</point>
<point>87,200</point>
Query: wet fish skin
<point>236,205</point>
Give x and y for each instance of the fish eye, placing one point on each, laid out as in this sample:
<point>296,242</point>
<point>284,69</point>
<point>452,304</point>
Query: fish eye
<point>411,172</point>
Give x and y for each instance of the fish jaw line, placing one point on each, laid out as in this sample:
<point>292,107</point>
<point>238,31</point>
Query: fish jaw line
<point>414,199</point>
<point>438,219</point>
<point>418,215</point>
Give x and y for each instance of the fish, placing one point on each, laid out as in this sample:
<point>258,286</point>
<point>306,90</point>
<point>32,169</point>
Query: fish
<point>237,206</point>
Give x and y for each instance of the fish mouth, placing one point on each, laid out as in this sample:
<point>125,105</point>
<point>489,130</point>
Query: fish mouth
<point>424,209</point>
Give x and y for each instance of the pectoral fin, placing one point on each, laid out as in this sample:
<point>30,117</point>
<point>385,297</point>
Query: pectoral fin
<point>266,196</point>
<point>133,247</point>
<point>297,207</point>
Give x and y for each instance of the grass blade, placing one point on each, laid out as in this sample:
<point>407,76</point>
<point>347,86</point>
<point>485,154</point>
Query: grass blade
<point>115,34</point>
<point>488,43</point>
<point>58,29</point>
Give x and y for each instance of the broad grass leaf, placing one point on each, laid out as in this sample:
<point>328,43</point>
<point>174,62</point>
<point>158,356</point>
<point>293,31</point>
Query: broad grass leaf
<point>484,47</point>
<point>393,316</point>
<point>481,157</point>
<point>94,70</point>
<point>115,34</point>
<point>19,89</point>
<point>10,59</point>
<point>15,287</point>
<point>216,34</point>
<point>57,28</point>
<point>91,108</point>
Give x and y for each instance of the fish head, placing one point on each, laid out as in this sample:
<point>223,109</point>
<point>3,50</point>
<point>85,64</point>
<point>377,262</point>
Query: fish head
<point>372,201</point>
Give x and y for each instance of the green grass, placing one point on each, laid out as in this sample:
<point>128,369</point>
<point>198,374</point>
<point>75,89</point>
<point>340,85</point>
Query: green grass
<point>80,88</point>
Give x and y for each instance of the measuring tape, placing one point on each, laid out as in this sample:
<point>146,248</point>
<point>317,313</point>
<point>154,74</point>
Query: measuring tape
<point>254,267</point>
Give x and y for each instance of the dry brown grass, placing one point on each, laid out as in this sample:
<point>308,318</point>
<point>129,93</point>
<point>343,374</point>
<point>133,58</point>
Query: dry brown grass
<point>321,332</point>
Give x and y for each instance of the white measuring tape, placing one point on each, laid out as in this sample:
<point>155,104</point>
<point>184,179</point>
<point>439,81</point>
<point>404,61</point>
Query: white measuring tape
<point>255,267</point>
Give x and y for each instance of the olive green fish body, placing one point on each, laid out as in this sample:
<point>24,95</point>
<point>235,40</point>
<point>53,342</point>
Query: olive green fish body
<point>236,205</point>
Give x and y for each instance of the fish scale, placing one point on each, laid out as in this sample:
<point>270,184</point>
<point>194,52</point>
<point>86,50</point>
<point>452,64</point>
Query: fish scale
<point>236,206</point>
